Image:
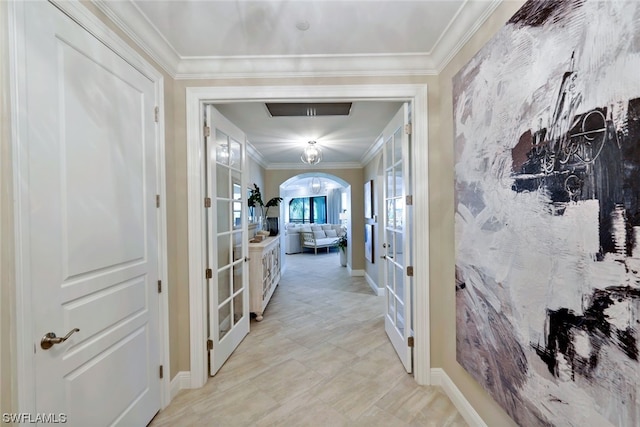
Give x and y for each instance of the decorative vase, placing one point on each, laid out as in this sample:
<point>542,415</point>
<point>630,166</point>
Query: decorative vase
<point>343,257</point>
<point>272,225</point>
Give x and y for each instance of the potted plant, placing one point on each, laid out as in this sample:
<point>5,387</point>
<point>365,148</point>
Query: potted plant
<point>341,244</point>
<point>255,199</point>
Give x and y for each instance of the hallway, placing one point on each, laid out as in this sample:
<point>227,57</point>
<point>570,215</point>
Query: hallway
<point>319,358</point>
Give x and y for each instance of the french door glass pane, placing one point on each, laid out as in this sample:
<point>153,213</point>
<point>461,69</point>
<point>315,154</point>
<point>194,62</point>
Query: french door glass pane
<point>237,277</point>
<point>399,284</point>
<point>391,244</point>
<point>237,245</point>
<point>224,285</point>
<point>224,216</point>
<point>399,183</point>
<point>238,313</point>
<point>222,182</point>
<point>389,153</point>
<point>224,250</point>
<point>390,185</point>
<point>223,151</point>
<point>397,146</point>
<point>224,319</point>
<point>235,159</point>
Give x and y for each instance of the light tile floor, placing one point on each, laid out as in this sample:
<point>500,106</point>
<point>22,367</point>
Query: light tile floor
<point>319,358</point>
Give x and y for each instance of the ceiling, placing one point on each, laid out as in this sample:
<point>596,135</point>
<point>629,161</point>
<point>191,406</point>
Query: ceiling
<point>345,141</point>
<point>216,39</point>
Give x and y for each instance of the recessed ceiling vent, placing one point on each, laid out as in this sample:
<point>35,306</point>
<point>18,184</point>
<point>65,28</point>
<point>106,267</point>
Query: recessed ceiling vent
<point>310,109</point>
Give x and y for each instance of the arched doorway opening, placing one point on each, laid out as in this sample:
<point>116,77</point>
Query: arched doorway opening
<point>334,195</point>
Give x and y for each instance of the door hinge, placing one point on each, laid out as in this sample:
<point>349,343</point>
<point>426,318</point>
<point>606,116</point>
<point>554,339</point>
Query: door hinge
<point>157,200</point>
<point>156,114</point>
<point>410,341</point>
<point>159,286</point>
<point>410,271</point>
<point>409,201</point>
<point>207,202</point>
<point>408,128</point>
<point>207,131</point>
<point>161,371</point>
<point>209,344</point>
<point>208,273</point>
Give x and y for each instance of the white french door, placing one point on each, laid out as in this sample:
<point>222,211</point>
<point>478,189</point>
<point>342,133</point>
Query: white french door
<point>88,223</point>
<point>227,241</point>
<point>397,222</point>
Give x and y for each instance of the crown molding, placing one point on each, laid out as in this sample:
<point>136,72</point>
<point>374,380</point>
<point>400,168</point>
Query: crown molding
<point>373,150</point>
<point>265,66</point>
<point>256,155</point>
<point>126,16</point>
<point>462,27</point>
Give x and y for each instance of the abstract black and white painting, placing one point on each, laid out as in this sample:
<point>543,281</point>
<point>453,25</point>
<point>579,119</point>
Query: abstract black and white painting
<point>547,221</point>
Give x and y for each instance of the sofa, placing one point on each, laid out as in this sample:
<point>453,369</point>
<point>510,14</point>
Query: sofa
<point>312,236</point>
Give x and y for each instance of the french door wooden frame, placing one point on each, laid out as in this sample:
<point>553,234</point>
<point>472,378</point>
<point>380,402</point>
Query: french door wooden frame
<point>197,97</point>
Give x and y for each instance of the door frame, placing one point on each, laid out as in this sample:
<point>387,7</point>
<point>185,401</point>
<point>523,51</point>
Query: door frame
<point>196,97</point>
<point>25,336</point>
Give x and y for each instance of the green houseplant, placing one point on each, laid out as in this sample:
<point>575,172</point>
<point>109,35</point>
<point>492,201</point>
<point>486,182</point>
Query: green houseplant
<point>255,200</point>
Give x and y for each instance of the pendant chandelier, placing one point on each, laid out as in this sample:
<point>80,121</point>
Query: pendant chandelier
<point>315,185</point>
<point>311,155</point>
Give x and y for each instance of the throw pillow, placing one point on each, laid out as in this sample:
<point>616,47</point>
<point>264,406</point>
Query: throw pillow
<point>331,233</point>
<point>319,234</point>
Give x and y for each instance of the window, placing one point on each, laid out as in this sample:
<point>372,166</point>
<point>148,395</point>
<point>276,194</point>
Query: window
<point>304,210</point>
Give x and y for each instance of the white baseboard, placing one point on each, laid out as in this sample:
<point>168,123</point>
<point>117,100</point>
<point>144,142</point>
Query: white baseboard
<point>373,285</point>
<point>358,273</point>
<point>181,381</point>
<point>440,377</point>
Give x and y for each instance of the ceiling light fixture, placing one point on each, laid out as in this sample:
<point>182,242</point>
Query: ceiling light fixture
<point>311,155</point>
<point>315,185</point>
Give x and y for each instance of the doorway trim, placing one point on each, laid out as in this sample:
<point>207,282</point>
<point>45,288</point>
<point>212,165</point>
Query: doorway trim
<point>25,336</point>
<point>196,97</point>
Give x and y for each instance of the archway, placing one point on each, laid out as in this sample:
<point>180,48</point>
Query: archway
<point>295,187</point>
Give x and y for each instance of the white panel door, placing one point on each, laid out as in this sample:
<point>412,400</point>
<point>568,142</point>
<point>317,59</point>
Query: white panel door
<point>397,222</point>
<point>227,241</point>
<point>89,222</point>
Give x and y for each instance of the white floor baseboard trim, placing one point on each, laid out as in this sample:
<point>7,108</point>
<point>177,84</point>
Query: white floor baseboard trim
<point>440,377</point>
<point>357,272</point>
<point>181,381</point>
<point>373,285</point>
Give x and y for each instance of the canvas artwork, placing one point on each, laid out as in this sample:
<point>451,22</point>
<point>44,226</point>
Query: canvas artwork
<point>368,242</point>
<point>547,221</point>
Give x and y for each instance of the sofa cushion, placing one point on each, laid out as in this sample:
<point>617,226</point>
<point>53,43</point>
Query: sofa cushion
<point>319,234</point>
<point>316,228</point>
<point>331,233</point>
<point>327,241</point>
<point>305,228</point>
<point>326,227</point>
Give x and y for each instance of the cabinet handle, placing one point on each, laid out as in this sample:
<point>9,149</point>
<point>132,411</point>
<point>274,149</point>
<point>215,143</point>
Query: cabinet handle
<point>247,259</point>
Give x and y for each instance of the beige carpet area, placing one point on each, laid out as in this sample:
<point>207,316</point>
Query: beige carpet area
<point>319,358</point>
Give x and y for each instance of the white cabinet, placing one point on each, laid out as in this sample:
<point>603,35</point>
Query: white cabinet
<point>264,273</point>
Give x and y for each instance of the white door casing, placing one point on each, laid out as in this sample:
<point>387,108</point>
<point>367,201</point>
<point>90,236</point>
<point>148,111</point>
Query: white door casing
<point>90,240</point>
<point>227,241</point>
<point>397,246</point>
<point>197,96</point>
